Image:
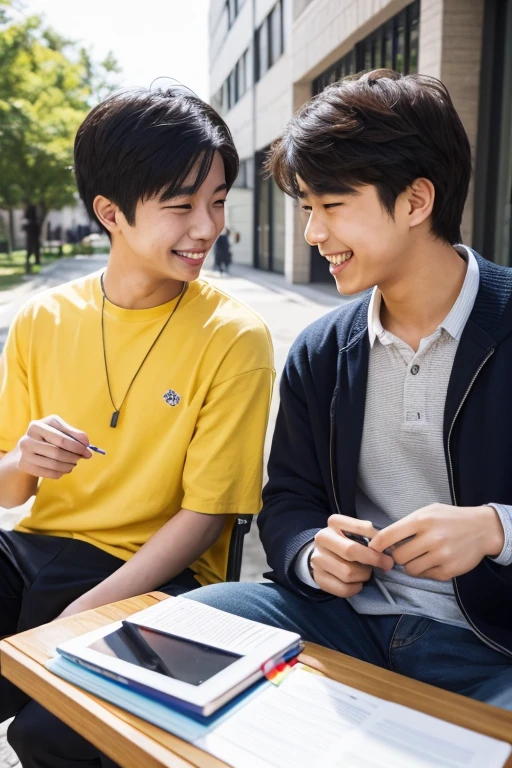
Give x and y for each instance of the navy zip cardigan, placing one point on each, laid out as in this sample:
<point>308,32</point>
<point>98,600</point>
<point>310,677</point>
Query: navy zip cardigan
<point>315,451</point>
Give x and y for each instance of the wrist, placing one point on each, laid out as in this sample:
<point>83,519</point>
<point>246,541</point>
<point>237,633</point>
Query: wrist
<point>495,535</point>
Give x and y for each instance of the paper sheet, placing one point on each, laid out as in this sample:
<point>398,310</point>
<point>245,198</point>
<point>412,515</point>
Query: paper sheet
<point>201,623</point>
<point>313,722</point>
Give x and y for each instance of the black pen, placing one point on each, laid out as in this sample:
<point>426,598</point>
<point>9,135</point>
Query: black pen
<point>90,447</point>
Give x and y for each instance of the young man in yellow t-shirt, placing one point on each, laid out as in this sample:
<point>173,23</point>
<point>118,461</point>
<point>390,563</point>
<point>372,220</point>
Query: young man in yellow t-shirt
<point>170,377</point>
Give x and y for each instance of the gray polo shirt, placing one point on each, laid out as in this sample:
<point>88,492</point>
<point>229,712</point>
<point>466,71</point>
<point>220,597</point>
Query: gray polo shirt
<point>402,464</point>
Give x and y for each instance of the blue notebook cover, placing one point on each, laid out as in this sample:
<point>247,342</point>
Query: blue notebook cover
<point>189,728</point>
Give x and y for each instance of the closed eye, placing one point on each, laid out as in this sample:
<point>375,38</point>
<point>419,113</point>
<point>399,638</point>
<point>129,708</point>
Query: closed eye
<point>307,208</point>
<point>184,207</point>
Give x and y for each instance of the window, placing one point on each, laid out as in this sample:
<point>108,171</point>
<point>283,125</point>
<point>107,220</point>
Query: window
<point>343,67</point>
<point>217,100</point>
<point>269,41</point>
<point>388,45</point>
<point>235,86</point>
<point>262,50</point>
<point>414,37</point>
<point>270,221</point>
<point>232,6</point>
<point>244,180</point>
<point>399,40</point>
<point>276,32</point>
<point>394,45</point>
<point>233,90</point>
<point>241,76</point>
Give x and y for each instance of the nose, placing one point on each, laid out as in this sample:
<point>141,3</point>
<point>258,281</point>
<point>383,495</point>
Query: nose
<point>315,231</point>
<point>203,226</point>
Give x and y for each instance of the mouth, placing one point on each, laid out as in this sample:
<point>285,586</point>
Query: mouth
<point>338,261</point>
<point>194,258</point>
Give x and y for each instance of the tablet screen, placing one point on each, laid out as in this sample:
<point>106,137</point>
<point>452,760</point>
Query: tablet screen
<point>180,659</point>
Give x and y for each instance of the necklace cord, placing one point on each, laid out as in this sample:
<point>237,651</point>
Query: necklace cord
<point>115,415</point>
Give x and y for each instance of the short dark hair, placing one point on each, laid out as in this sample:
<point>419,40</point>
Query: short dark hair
<point>384,129</point>
<point>141,143</point>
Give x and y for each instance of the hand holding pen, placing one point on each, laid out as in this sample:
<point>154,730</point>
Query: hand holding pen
<point>52,448</point>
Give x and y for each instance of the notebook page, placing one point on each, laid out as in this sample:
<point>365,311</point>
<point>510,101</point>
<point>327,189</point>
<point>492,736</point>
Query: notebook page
<point>204,624</point>
<point>313,722</point>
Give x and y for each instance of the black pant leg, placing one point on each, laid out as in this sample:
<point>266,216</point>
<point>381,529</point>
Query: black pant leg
<point>41,740</point>
<point>11,596</point>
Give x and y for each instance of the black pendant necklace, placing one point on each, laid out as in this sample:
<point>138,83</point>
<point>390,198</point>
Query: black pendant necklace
<point>117,409</point>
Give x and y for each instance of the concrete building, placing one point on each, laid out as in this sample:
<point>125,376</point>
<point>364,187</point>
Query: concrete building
<point>268,57</point>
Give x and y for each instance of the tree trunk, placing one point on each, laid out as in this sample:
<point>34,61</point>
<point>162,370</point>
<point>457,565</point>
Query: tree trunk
<point>10,234</point>
<point>43,214</point>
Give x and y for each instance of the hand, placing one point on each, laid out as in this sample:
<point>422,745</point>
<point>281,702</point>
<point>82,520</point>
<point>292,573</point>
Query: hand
<point>49,450</point>
<point>446,541</point>
<point>340,565</point>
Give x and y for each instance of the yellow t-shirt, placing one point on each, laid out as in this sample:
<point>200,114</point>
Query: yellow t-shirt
<point>190,432</point>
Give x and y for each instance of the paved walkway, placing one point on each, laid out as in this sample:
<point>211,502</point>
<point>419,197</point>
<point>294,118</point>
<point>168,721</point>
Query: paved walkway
<point>286,309</point>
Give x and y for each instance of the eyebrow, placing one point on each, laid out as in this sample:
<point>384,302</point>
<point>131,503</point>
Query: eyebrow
<point>303,195</point>
<point>187,191</point>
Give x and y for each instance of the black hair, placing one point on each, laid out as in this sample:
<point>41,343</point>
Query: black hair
<point>139,144</point>
<point>384,129</point>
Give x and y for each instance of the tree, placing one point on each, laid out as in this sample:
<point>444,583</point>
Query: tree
<point>47,87</point>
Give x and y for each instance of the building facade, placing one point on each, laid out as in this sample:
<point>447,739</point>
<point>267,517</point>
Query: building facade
<point>267,57</point>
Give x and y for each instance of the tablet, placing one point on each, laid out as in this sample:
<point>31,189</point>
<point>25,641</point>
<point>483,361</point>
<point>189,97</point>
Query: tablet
<point>181,652</point>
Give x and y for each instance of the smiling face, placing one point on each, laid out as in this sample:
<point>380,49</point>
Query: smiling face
<point>170,239</point>
<point>363,244</point>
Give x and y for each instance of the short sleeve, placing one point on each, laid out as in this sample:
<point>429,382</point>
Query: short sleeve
<point>14,395</point>
<point>224,463</point>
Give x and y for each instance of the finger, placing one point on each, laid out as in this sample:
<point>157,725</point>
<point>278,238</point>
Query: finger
<point>41,467</point>
<point>414,548</point>
<point>44,462</point>
<point>67,429</point>
<point>420,565</point>
<point>51,451</point>
<point>395,533</point>
<point>342,523</point>
<point>334,586</point>
<point>60,439</point>
<point>352,550</point>
<point>345,571</point>
<point>439,573</point>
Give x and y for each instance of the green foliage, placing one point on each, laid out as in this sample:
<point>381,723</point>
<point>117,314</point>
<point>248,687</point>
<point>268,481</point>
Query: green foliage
<point>12,268</point>
<point>48,85</point>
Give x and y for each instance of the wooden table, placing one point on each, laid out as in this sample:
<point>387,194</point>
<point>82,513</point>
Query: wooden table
<point>132,742</point>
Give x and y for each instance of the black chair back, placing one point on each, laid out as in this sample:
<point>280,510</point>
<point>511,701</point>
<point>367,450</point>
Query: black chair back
<point>236,546</point>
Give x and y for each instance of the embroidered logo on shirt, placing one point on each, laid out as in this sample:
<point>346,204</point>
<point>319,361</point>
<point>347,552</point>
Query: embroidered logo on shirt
<point>172,398</point>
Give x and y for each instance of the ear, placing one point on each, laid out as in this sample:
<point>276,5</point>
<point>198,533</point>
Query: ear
<point>420,197</point>
<point>107,212</point>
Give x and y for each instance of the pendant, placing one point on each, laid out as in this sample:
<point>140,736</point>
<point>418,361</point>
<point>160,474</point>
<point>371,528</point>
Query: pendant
<point>113,420</point>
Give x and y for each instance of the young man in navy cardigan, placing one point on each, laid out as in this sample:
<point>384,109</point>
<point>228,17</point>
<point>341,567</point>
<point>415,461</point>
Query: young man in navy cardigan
<point>387,519</point>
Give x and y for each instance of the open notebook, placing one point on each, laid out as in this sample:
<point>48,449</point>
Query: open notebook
<point>185,654</point>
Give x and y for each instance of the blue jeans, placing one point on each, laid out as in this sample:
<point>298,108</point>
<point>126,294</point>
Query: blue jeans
<point>449,657</point>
